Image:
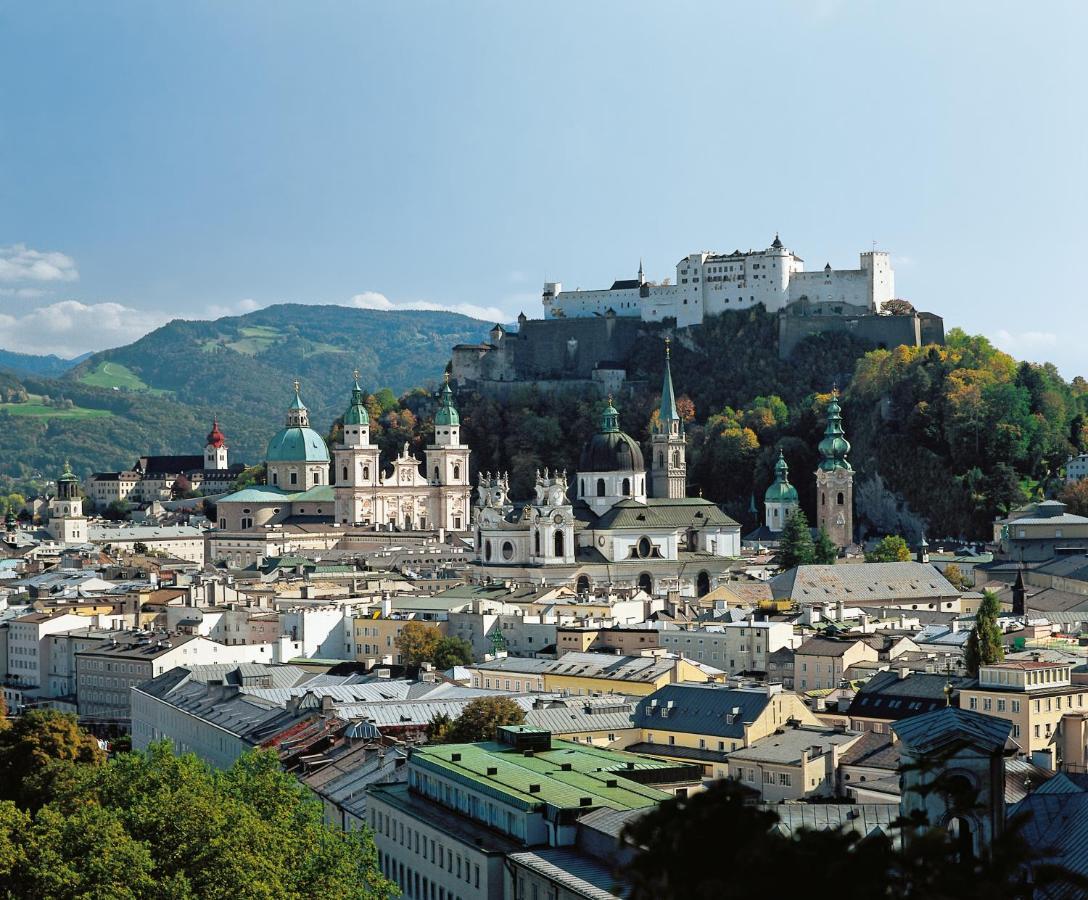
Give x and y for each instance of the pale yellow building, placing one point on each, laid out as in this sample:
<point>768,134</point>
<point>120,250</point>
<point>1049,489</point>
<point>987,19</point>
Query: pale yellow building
<point>1033,695</point>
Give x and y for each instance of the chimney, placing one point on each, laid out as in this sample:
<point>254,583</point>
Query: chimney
<point>904,672</point>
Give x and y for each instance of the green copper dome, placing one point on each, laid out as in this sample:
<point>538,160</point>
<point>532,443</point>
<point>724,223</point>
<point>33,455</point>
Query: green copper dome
<point>357,414</point>
<point>447,414</point>
<point>67,474</point>
<point>781,491</point>
<point>834,447</point>
<point>297,441</point>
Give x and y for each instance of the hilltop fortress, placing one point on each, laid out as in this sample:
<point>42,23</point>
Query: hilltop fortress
<point>585,335</point>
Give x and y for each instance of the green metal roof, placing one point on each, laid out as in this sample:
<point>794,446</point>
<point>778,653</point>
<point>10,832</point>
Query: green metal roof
<point>297,445</point>
<point>834,447</point>
<point>262,493</point>
<point>447,414</point>
<point>593,773</point>
<point>356,413</point>
<point>781,491</point>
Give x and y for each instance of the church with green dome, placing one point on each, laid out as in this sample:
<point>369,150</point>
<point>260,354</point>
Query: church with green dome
<point>327,496</point>
<point>615,523</point>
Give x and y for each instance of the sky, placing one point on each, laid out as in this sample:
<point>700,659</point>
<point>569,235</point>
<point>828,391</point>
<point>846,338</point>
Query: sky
<point>163,160</point>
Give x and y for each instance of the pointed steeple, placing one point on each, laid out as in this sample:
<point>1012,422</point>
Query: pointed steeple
<point>834,447</point>
<point>641,276</point>
<point>1019,593</point>
<point>668,411</point>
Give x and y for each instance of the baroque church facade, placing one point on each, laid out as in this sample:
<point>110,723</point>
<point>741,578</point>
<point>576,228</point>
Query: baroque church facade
<point>349,487</point>
<point>618,524</point>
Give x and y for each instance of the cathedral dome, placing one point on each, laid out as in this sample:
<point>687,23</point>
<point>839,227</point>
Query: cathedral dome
<point>297,445</point>
<point>610,450</point>
<point>447,413</point>
<point>297,441</point>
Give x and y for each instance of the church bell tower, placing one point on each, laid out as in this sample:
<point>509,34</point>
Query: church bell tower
<point>668,449</point>
<point>835,480</point>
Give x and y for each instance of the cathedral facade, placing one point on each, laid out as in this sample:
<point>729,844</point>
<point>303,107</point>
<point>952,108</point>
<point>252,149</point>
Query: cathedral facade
<point>603,528</point>
<point>350,487</point>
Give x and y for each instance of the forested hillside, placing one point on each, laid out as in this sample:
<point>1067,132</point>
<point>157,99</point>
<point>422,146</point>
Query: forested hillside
<point>159,394</point>
<point>944,438</point>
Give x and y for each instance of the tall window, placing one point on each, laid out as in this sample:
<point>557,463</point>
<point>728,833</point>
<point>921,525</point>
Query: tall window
<point>294,478</point>
<point>559,546</point>
<point>842,499</point>
<point>600,487</point>
<point>456,471</point>
<point>626,487</point>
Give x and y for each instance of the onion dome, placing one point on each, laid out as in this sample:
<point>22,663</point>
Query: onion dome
<point>447,413</point>
<point>357,414</point>
<point>834,447</point>
<point>781,491</point>
<point>67,474</point>
<point>297,441</point>
<point>610,450</point>
<point>215,436</point>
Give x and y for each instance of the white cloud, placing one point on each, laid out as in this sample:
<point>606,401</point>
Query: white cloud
<point>19,264</point>
<point>219,310</point>
<point>69,327</point>
<point>375,300</point>
<point>1021,342</point>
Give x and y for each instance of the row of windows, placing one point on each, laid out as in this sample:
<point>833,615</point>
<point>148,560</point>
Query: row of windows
<point>417,842</point>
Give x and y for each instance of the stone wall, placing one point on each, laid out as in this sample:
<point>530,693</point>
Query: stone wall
<point>914,330</point>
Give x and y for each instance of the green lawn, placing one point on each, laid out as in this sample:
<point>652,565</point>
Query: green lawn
<point>112,374</point>
<point>255,339</point>
<point>36,409</point>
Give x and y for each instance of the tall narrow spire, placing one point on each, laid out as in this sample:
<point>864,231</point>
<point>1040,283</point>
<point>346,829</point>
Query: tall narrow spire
<point>668,412</point>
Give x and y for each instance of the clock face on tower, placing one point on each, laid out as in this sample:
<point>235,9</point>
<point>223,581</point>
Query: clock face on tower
<point>558,519</point>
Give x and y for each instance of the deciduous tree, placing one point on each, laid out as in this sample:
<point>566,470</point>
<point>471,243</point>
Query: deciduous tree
<point>417,643</point>
<point>480,718</point>
<point>892,548</point>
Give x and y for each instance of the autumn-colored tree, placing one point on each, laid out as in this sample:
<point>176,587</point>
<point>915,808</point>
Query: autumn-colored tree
<point>480,718</point>
<point>954,576</point>
<point>417,643</point>
<point>892,548</point>
<point>36,750</point>
<point>1075,496</point>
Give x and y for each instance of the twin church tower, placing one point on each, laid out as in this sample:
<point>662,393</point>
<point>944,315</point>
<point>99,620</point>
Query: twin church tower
<point>834,485</point>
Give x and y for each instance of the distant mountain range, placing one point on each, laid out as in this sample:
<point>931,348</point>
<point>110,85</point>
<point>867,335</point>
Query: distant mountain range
<point>159,394</point>
<point>45,366</point>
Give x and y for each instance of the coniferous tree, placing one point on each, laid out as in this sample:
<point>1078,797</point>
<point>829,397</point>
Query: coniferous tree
<point>795,548</point>
<point>984,645</point>
<point>826,553</point>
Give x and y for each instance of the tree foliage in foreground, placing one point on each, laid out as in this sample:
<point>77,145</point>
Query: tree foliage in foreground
<point>892,548</point>
<point>716,845</point>
<point>158,825</point>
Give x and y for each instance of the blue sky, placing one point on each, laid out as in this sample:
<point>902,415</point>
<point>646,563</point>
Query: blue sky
<point>195,159</point>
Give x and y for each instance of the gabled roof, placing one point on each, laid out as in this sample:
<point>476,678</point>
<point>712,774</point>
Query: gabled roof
<point>701,709</point>
<point>947,726</point>
<point>866,583</point>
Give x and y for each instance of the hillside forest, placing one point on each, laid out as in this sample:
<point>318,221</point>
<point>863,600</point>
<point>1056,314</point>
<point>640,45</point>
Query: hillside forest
<point>944,438</point>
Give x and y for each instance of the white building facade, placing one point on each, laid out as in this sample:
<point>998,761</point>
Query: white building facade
<point>712,283</point>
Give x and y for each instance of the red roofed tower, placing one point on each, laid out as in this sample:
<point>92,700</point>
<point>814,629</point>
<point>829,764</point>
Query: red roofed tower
<point>215,451</point>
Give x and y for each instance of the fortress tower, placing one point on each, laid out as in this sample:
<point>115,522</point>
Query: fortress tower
<point>835,480</point>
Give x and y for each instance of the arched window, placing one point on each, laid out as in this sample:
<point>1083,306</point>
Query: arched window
<point>537,544</point>
<point>582,585</point>
<point>317,477</point>
<point>626,487</point>
<point>600,487</point>
<point>583,488</point>
<point>702,584</point>
<point>345,474</point>
<point>676,459</point>
<point>275,477</point>
<point>660,459</point>
<point>646,583</point>
<point>487,550</point>
<point>842,498</point>
<point>456,471</point>
<point>559,544</point>
<point>436,473</point>
<point>366,472</point>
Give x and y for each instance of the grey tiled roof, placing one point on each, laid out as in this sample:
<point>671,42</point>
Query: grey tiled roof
<point>862,583</point>
<point>584,875</point>
<point>933,730</point>
<point>663,513</point>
